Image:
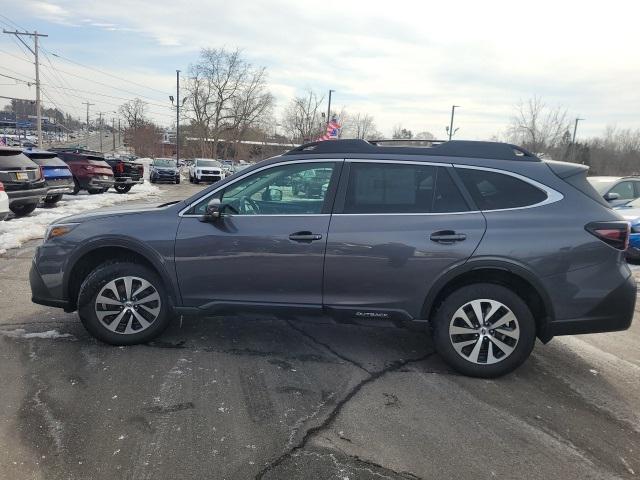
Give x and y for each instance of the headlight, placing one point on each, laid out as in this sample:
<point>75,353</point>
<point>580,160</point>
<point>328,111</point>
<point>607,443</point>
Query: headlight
<point>58,230</point>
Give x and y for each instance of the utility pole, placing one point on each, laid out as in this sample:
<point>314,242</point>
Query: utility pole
<point>86,136</point>
<point>177,118</point>
<point>120,136</point>
<point>329,108</point>
<point>100,123</point>
<point>113,133</point>
<point>34,51</point>
<point>573,140</point>
<point>450,129</point>
<point>177,104</point>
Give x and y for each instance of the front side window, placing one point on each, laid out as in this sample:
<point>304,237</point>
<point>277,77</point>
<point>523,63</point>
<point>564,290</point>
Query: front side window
<point>401,188</point>
<point>292,189</point>
<point>496,191</point>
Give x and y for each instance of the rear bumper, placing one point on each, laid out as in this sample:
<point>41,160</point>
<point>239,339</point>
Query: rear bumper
<point>21,197</point>
<point>97,183</point>
<point>60,187</point>
<point>128,181</point>
<point>613,313</point>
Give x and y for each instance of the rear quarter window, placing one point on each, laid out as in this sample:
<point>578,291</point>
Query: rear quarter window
<point>496,191</point>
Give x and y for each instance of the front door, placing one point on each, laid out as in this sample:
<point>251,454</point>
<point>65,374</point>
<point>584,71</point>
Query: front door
<point>269,246</point>
<point>395,229</point>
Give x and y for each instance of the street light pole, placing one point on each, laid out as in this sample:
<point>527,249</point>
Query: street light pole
<point>177,118</point>
<point>329,108</point>
<point>453,112</point>
<point>86,136</point>
<point>100,123</point>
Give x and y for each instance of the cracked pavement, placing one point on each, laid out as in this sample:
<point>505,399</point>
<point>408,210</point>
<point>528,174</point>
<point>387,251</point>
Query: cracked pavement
<point>283,398</point>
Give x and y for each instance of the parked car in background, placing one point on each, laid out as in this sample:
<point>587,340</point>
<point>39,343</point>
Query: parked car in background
<point>164,170</point>
<point>126,173</point>
<point>631,212</point>
<point>617,190</point>
<point>205,170</point>
<point>4,203</point>
<point>440,235</point>
<point>22,179</point>
<point>311,183</point>
<point>89,169</point>
<point>57,175</point>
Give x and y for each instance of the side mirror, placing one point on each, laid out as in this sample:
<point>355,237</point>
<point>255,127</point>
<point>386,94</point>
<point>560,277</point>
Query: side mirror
<point>611,196</point>
<point>213,211</point>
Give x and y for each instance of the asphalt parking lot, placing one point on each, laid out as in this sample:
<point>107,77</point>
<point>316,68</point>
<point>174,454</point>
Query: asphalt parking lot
<point>284,398</point>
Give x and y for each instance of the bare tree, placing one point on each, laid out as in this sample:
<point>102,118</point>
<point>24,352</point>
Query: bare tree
<point>251,106</point>
<point>538,127</point>
<point>425,135</point>
<point>214,84</point>
<point>359,125</point>
<point>302,119</point>
<point>400,133</point>
<point>133,112</point>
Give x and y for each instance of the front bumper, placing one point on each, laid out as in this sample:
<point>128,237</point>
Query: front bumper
<point>165,177</point>
<point>613,313</point>
<point>210,178</point>
<point>40,294</point>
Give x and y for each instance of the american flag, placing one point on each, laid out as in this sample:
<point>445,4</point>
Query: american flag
<point>333,130</point>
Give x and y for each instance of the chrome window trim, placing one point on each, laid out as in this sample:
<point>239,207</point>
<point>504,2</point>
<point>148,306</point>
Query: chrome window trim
<point>287,162</point>
<point>553,196</point>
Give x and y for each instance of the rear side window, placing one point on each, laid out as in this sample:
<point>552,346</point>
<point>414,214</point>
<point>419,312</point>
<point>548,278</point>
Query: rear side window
<point>495,191</point>
<point>398,188</point>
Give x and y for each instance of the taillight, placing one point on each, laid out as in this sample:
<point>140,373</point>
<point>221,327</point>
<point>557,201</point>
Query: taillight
<point>41,173</point>
<point>615,234</point>
<point>120,167</point>
<point>1,187</point>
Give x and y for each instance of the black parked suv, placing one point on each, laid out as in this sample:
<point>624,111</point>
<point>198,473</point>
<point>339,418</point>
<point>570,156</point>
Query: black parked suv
<point>485,242</point>
<point>23,181</point>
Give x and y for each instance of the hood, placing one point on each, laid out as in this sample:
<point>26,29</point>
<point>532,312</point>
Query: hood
<point>112,211</point>
<point>629,214</point>
<point>165,169</point>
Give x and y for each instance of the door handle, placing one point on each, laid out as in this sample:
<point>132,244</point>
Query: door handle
<point>304,236</point>
<point>447,237</point>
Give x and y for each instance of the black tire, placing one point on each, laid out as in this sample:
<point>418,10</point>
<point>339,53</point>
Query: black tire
<point>95,191</point>
<point>22,209</point>
<point>196,180</point>
<point>53,199</point>
<point>152,180</point>
<point>460,297</point>
<point>177,181</point>
<point>122,188</point>
<point>76,186</point>
<point>100,277</point>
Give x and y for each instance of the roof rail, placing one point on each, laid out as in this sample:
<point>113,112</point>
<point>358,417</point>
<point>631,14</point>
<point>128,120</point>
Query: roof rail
<point>449,148</point>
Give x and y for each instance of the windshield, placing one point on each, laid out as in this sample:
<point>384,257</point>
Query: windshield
<point>164,162</point>
<point>601,184</point>
<point>207,163</point>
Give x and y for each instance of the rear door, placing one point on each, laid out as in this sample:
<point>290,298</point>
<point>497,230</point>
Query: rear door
<point>397,226</point>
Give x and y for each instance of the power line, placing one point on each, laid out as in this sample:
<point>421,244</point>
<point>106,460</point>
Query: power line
<point>106,73</point>
<point>16,79</point>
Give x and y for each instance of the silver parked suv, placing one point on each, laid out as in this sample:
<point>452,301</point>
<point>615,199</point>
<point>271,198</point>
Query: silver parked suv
<point>484,241</point>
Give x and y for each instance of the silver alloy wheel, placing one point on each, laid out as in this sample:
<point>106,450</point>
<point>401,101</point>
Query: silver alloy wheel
<point>127,305</point>
<point>484,331</point>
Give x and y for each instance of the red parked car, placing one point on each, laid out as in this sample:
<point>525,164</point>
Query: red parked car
<point>90,170</point>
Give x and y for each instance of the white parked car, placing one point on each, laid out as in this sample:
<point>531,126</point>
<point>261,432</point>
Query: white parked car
<point>4,203</point>
<point>205,170</point>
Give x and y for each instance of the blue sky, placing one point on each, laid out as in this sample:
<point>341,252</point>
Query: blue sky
<point>403,62</point>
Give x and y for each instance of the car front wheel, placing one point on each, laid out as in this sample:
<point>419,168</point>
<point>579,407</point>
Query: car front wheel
<point>484,330</point>
<point>123,303</point>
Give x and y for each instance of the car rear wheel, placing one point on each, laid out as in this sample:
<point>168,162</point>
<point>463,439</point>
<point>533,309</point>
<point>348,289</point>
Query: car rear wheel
<point>95,191</point>
<point>122,188</point>
<point>76,186</point>
<point>123,303</point>
<point>22,209</point>
<point>53,199</point>
<point>484,330</point>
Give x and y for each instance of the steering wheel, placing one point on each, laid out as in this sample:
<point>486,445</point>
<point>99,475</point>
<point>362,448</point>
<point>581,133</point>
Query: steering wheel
<point>248,206</point>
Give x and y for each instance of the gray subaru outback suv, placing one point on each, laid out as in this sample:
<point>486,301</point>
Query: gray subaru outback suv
<point>484,241</point>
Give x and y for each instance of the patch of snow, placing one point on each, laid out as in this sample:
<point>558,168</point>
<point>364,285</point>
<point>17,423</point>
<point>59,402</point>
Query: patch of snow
<point>22,333</point>
<point>14,233</point>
